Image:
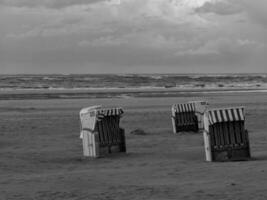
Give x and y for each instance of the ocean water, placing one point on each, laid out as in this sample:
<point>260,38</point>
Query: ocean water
<point>146,81</point>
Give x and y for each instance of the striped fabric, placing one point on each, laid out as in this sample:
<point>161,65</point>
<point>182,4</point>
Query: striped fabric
<point>91,115</point>
<point>185,107</point>
<point>101,113</point>
<point>225,115</point>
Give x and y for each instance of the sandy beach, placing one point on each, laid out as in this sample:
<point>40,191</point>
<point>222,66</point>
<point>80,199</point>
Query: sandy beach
<point>138,58</point>
<point>41,153</point>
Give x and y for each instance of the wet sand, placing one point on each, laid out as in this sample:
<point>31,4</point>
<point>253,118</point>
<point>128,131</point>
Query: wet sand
<point>41,153</point>
<point>96,93</point>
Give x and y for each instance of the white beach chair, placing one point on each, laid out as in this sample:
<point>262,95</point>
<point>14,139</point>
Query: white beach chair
<point>100,131</point>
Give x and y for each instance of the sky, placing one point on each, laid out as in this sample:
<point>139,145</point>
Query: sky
<point>133,36</point>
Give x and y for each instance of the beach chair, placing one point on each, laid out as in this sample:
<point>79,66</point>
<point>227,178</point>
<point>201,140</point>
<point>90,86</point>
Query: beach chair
<point>188,116</point>
<point>225,136</point>
<point>100,131</point>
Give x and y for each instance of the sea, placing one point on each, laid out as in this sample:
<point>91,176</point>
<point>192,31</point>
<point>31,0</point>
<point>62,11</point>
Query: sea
<point>109,81</point>
<point>25,86</point>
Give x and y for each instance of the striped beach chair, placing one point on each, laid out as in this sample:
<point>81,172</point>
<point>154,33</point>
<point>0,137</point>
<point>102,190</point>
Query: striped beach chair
<point>101,132</point>
<point>225,136</point>
<point>188,116</point>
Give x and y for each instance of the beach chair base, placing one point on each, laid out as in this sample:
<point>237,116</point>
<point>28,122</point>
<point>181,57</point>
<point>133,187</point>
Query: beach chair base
<point>231,155</point>
<point>230,152</point>
<point>92,147</point>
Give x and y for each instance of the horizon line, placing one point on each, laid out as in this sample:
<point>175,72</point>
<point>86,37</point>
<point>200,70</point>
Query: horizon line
<point>190,73</point>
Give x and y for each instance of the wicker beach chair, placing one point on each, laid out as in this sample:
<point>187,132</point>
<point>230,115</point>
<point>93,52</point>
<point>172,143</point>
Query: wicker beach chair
<point>101,132</point>
<point>225,136</point>
<point>188,116</point>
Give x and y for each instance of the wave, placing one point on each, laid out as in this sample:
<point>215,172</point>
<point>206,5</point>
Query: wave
<point>142,81</point>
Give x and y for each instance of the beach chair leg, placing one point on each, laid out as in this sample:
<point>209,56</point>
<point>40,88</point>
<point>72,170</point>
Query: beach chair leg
<point>247,138</point>
<point>96,145</point>
<point>207,146</point>
<point>174,125</point>
<point>123,141</point>
<point>86,143</point>
<point>90,144</point>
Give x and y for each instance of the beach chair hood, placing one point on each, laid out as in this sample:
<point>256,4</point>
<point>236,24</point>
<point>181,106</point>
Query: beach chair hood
<point>224,115</point>
<point>183,107</point>
<point>89,116</point>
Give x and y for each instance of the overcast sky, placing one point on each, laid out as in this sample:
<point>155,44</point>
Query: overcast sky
<point>133,36</point>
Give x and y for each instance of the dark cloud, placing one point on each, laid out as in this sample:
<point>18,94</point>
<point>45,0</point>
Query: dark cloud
<point>220,8</point>
<point>46,3</point>
<point>137,35</point>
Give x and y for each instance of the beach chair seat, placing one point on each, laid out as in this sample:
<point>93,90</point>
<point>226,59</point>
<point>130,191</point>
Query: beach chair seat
<point>187,117</point>
<point>225,136</point>
<point>101,132</point>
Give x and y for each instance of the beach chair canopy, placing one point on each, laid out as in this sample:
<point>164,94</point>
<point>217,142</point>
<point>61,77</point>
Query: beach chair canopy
<point>191,106</point>
<point>183,107</point>
<point>89,116</point>
<point>225,115</point>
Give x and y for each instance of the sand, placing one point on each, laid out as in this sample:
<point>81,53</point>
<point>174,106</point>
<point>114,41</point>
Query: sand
<point>41,153</point>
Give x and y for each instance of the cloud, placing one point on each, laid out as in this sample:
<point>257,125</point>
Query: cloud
<point>103,42</point>
<point>118,17</point>
<point>219,7</point>
<point>56,4</point>
<point>132,33</point>
<point>223,46</point>
<point>256,10</point>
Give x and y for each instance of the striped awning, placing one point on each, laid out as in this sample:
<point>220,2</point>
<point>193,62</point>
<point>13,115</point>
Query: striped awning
<point>98,111</point>
<point>101,113</point>
<point>184,107</point>
<point>89,116</point>
<point>225,115</point>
